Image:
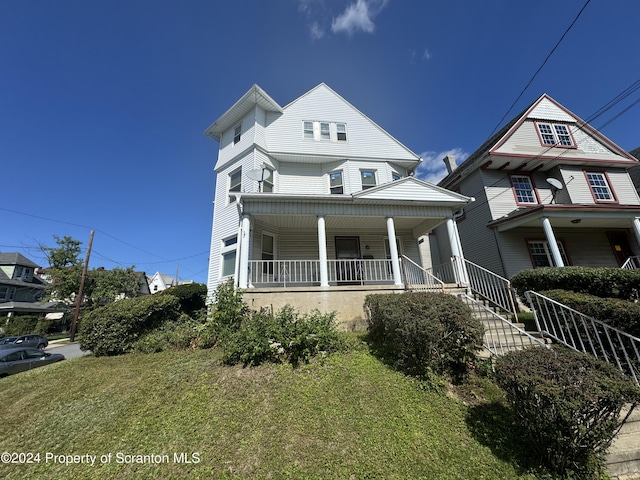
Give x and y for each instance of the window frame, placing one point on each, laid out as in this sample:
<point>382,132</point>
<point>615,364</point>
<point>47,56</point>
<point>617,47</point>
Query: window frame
<point>553,132</point>
<point>534,190</point>
<point>362,178</point>
<point>564,252</point>
<point>607,181</point>
<point>237,133</point>
<point>339,133</point>
<point>306,131</point>
<point>267,268</point>
<point>341,186</point>
<point>229,246</point>
<point>231,188</point>
<point>325,134</point>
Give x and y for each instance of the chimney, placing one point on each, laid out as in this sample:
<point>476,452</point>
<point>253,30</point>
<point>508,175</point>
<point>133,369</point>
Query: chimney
<point>450,162</point>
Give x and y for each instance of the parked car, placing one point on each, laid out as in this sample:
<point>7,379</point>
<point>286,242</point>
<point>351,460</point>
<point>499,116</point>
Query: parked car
<point>16,360</point>
<point>32,341</point>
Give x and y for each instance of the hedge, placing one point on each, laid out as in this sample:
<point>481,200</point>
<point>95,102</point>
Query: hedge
<point>567,406</point>
<point>421,332</point>
<point>601,282</point>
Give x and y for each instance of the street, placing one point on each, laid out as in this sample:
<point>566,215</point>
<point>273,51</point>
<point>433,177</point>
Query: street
<point>70,350</point>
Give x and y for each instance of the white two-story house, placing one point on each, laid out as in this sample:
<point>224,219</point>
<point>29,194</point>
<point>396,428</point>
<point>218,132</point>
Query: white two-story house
<point>316,205</point>
<point>550,191</point>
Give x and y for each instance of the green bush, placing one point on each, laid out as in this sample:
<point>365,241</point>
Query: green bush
<point>192,296</point>
<point>169,336</point>
<point>283,337</point>
<point>422,332</point>
<point>114,328</point>
<point>23,324</point>
<point>567,405</point>
<point>601,282</point>
<point>617,313</point>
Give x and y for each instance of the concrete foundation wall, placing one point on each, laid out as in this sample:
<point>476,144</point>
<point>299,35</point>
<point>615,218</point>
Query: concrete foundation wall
<point>347,301</point>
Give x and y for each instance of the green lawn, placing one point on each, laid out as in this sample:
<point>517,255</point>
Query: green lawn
<point>347,416</point>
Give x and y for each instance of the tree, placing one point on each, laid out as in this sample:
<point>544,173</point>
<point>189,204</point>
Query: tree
<point>65,268</point>
<point>107,286</point>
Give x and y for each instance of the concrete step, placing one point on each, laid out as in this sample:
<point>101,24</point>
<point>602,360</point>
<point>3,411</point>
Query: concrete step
<point>623,458</point>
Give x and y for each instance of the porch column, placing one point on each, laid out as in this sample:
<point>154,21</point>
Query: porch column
<point>636,229</point>
<point>456,251</point>
<point>243,274</point>
<point>393,250</point>
<point>322,249</point>
<point>553,243</point>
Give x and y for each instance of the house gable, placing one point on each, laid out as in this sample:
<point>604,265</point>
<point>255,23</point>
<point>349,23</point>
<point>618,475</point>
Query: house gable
<point>411,189</point>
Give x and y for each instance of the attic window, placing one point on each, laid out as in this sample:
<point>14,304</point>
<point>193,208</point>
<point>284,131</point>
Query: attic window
<point>321,131</point>
<point>555,135</point>
<point>368,178</point>
<point>341,130</point>
<point>237,134</point>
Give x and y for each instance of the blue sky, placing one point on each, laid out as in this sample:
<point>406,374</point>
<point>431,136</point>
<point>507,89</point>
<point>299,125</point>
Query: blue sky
<point>103,104</point>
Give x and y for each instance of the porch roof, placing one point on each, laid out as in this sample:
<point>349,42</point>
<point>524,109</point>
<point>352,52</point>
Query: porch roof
<point>570,216</point>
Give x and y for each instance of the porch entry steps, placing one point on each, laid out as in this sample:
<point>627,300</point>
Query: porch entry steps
<point>501,335</point>
<point>623,459</point>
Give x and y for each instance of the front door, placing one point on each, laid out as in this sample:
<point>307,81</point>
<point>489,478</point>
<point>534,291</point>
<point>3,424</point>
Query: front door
<point>348,249</point>
<point>620,245</point>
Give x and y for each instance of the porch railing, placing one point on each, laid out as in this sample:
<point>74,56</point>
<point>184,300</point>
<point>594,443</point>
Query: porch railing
<point>307,272</point>
<point>487,284</point>
<point>631,263</point>
<point>586,334</point>
<point>419,278</point>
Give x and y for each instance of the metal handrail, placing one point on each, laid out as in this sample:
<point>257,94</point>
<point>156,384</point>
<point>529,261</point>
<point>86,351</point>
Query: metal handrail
<point>489,285</point>
<point>501,335</point>
<point>418,277</point>
<point>586,334</point>
<point>631,263</point>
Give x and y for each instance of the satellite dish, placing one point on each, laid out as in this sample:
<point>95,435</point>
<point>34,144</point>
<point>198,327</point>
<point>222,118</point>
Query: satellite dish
<point>259,174</point>
<point>555,186</point>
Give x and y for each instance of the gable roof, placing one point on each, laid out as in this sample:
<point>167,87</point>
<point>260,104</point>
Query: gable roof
<point>546,109</point>
<point>14,258</point>
<point>412,189</point>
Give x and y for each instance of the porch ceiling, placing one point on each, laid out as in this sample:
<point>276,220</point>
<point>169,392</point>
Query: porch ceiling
<point>570,216</point>
<point>348,223</point>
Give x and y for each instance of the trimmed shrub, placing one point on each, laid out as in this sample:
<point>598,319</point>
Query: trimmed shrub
<point>283,337</point>
<point>170,335</point>
<point>601,282</point>
<point>114,328</point>
<point>423,332</point>
<point>567,405</point>
<point>21,324</point>
<point>617,313</point>
<point>192,296</point>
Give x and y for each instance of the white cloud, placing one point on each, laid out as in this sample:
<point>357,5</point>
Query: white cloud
<point>426,55</point>
<point>358,16</point>
<point>432,169</point>
<point>317,32</point>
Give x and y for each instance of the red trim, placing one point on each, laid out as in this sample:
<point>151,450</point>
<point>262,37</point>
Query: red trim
<point>573,145</point>
<point>606,178</point>
<point>486,165</point>
<point>566,160</point>
<point>503,166</point>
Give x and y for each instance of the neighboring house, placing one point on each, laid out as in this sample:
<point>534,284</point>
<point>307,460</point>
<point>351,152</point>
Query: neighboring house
<point>316,205</point>
<point>550,191</point>
<point>20,288</point>
<point>635,171</point>
<point>160,281</point>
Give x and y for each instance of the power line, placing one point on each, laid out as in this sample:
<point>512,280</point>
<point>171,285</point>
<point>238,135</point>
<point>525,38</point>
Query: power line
<point>541,66</point>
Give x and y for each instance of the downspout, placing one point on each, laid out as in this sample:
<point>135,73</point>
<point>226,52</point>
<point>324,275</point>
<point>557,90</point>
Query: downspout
<point>236,269</point>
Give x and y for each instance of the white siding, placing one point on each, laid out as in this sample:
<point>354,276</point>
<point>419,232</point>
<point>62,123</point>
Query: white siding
<point>579,192</point>
<point>228,150</point>
<point>302,178</point>
<point>547,110</point>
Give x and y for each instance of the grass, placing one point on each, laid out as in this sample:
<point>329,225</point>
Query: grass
<point>347,416</point>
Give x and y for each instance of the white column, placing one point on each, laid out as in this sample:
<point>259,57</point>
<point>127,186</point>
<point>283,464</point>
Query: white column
<point>245,229</point>
<point>456,251</point>
<point>553,243</point>
<point>322,252</point>
<point>636,229</point>
<point>393,250</point>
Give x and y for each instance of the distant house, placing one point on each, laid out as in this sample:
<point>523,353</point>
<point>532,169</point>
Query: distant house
<point>21,289</point>
<point>161,281</point>
<point>550,191</point>
<point>316,205</point>
<point>635,171</point>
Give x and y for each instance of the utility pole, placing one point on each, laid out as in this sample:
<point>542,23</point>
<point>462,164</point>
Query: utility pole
<point>177,275</point>
<point>76,314</point>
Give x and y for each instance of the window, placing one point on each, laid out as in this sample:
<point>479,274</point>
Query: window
<point>368,178</point>
<point>555,134</point>
<point>267,184</point>
<point>541,254</point>
<point>235,183</point>
<point>308,130</point>
<point>341,130</point>
<point>335,183</point>
<point>600,187</point>
<point>523,189</point>
<point>395,176</point>
<point>4,292</point>
<point>324,131</point>
<point>237,134</point>
<point>228,254</point>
